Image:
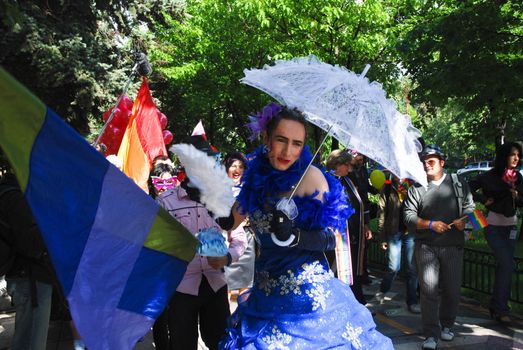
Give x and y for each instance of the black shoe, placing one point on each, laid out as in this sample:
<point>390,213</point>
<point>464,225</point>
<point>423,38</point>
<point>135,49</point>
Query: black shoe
<point>366,280</point>
<point>414,308</point>
<point>503,319</point>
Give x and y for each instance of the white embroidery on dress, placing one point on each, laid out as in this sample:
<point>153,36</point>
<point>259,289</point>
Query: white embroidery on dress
<point>265,283</point>
<point>353,335</point>
<point>309,281</point>
<point>318,296</point>
<point>261,221</point>
<point>277,340</point>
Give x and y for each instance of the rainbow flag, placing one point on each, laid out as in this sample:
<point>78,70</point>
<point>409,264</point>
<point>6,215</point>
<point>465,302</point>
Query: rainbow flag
<point>119,256</point>
<point>143,138</point>
<point>343,258</point>
<point>477,220</point>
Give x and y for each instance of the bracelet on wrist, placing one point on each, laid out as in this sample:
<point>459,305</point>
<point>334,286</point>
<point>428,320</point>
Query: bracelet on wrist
<point>430,225</point>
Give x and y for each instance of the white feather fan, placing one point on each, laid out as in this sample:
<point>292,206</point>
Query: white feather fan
<point>209,177</point>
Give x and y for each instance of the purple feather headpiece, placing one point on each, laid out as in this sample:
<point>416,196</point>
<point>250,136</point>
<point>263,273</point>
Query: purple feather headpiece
<point>259,122</point>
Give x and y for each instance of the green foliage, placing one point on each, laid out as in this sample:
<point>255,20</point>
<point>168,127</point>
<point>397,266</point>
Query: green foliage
<point>469,53</point>
<point>75,55</point>
<point>201,58</point>
<point>464,59</point>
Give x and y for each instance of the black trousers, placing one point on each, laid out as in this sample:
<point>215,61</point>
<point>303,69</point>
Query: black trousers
<point>210,308</point>
<point>161,331</point>
<point>357,285</point>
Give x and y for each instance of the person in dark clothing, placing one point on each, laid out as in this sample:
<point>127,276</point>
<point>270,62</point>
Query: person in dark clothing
<point>341,163</point>
<point>395,239</point>
<point>360,177</point>
<point>434,215</point>
<point>30,279</point>
<point>501,191</point>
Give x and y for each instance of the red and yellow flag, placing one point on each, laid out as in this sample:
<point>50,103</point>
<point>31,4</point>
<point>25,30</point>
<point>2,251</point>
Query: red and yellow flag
<point>143,139</point>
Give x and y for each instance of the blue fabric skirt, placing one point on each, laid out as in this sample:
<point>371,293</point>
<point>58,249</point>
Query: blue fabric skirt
<point>303,308</point>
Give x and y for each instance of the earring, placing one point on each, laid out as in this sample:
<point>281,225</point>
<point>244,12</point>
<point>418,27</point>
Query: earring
<point>266,149</point>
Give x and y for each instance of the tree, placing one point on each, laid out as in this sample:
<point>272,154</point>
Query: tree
<point>75,55</point>
<point>468,53</point>
<point>200,59</point>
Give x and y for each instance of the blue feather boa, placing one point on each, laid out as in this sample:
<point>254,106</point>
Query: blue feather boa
<point>262,185</point>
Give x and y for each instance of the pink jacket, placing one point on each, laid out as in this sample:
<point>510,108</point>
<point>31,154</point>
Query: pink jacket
<point>195,217</point>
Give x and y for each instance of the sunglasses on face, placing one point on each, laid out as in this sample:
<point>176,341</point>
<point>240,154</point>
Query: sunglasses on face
<point>163,184</point>
<point>430,162</point>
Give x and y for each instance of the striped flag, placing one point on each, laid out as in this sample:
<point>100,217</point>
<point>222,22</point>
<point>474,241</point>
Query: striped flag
<point>119,256</point>
<point>343,258</point>
<point>477,219</point>
<point>143,138</point>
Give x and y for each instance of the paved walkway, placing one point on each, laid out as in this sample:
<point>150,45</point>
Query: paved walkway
<point>474,329</point>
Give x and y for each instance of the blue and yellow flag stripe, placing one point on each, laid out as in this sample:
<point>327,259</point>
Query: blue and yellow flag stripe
<point>118,255</point>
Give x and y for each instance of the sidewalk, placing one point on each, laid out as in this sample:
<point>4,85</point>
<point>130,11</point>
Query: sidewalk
<point>474,329</point>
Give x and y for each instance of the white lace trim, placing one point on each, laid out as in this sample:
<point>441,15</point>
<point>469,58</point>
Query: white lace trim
<point>359,111</point>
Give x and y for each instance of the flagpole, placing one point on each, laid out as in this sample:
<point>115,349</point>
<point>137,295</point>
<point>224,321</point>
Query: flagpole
<point>111,116</point>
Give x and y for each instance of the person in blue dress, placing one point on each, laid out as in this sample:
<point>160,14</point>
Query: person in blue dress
<point>296,302</point>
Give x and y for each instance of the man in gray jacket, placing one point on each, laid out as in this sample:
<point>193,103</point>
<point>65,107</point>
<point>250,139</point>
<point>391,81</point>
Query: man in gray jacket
<point>434,215</point>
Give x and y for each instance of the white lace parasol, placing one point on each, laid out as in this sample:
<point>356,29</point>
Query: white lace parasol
<point>209,177</point>
<point>361,116</point>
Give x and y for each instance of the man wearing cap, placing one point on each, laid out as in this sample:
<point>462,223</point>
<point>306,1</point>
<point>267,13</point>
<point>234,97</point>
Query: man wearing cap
<point>433,215</point>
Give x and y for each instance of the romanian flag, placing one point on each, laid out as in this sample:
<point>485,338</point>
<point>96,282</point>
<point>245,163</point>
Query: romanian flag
<point>143,138</point>
<point>119,256</point>
<point>477,220</point>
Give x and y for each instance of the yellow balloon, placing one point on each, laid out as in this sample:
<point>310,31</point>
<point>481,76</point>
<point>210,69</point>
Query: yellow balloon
<point>377,179</point>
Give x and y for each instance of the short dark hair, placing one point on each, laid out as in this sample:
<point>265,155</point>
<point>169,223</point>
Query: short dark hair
<point>157,170</point>
<point>287,114</point>
<point>338,157</point>
<point>160,158</point>
<point>231,157</point>
<point>502,154</point>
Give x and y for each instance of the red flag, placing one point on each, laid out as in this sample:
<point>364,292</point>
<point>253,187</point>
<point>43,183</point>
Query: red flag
<point>143,139</point>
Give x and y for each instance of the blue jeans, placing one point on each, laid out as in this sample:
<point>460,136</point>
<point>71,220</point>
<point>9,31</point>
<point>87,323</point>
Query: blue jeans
<point>31,324</point>
<point>395,244</point>
<point>503,249</point>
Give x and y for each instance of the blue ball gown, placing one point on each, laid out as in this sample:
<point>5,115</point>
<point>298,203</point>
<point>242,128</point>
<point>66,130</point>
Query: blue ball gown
<point>296,302</point>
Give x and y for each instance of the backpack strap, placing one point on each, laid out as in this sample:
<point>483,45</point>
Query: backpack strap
<point>458,191</point>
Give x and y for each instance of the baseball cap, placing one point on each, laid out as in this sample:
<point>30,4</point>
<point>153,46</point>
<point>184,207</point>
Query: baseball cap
<point>432,150</point>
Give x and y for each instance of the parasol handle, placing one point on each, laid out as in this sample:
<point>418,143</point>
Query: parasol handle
<point>365,70</point>
<point>310,163</point>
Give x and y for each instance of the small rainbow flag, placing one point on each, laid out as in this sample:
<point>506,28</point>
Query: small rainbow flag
<point>477,219</point>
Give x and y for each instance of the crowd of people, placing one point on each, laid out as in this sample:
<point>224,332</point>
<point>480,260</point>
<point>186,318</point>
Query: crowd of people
<point>282,270</point>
